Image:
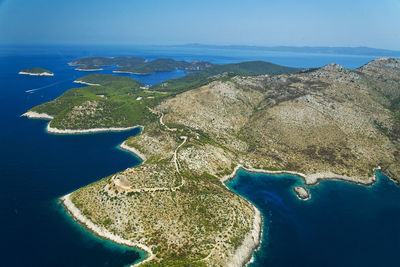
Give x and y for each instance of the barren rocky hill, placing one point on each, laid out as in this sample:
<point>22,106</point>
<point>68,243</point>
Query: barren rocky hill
<point>331,121</point>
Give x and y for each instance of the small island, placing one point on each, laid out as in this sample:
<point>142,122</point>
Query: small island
<point>88,68</point>
<point>36,72</point>
<point>302,192</point>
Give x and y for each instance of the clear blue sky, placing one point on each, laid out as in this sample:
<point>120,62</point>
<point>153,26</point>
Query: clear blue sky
<point>374,23</point>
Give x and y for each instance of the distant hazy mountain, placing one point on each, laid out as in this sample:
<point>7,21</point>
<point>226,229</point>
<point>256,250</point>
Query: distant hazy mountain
<point>306,49</point>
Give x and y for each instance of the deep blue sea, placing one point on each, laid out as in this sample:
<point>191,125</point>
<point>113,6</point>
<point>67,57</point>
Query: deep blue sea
<point>343,224</point>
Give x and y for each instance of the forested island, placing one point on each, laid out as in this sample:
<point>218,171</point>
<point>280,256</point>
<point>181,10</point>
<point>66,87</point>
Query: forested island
<point>36,72</point>
<point>141,66</point>
<point>199,130</point>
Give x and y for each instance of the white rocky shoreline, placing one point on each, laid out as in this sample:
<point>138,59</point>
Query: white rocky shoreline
<point>93,130</point>
<point>86,83</point>
<point>135,73</point>
<point>101,232</point>
<point>245,253</point>
<point>310,179</point>
<point>302,192</point>
<point>36,115</point>
<point>36,74</point>
<point>79,69</point>
<point>133,150</point>
<point>242,256</point>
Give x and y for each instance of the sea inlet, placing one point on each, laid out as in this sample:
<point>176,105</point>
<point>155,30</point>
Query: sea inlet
<point>343,224</point>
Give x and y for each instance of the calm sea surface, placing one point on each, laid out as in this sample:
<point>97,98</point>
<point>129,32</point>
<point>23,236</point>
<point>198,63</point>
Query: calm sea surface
<point>343,224</point>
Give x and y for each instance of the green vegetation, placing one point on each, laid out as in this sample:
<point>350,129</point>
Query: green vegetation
<point>110,81</point>
<point>36,70</point>
<point>163,64</point>
<point>140,65</point>
<point>215,72</point>
<point>176,263</point>
<point>88,67</point>
<point>395,105</point>
<point>114,101</point>
<point>117,102</point>
<point>254,68</point>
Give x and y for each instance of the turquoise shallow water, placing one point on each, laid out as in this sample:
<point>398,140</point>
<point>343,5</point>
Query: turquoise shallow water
<point>36,168</point>
<point>342,225</point>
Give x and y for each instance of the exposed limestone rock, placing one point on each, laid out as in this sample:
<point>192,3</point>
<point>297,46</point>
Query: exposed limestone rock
<point>302,192</point>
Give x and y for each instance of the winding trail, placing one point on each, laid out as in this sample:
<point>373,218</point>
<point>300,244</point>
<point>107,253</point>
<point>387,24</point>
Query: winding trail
<point>128,189</point>
<point>163,124</point>
<point>161,114</point>
<point>175,159</point>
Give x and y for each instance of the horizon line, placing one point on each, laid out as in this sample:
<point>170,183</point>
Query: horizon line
<point>197,44</point>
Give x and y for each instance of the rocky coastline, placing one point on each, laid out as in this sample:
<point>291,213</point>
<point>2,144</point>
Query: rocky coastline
<point>101,232</point>
<point>134,151</point>
<point>252,241</point>
<point>36,115</point>
<point>135,73</point>
<point>244,253</point>
<point>84,131</point>
<point>79,69</point>
<point>310,179</point>
<point>85,83</point>
<point>302,192</point>
<point>36,74</point>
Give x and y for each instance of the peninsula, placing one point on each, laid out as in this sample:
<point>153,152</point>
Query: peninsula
<point>325,123</point>
<point>36,72</point>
